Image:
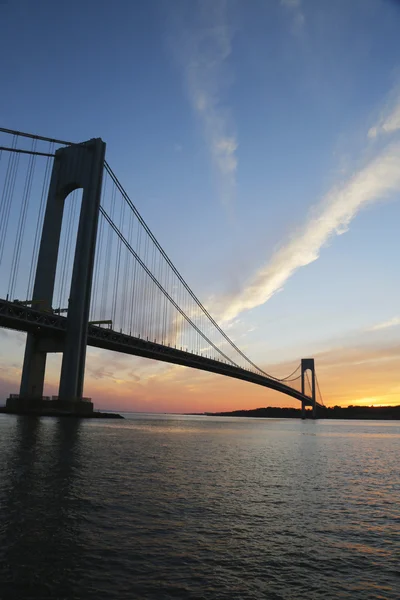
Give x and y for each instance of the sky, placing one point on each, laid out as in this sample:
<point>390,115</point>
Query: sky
<point>260,141</point>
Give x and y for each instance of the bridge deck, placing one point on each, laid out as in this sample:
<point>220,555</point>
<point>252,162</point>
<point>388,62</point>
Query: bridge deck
<point>53,327</point>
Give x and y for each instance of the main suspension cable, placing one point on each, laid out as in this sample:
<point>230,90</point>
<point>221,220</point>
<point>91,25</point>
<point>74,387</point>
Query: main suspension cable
<point>178,275</point>
<point>164,255</point>
<point>149,273</point>
<point>288,378</point>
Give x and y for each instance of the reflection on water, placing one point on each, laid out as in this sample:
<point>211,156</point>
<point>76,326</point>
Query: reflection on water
<point>40,533</point>
<point>195,507</point>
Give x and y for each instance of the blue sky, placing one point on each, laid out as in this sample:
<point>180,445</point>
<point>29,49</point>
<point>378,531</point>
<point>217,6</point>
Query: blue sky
<point>248,134</point>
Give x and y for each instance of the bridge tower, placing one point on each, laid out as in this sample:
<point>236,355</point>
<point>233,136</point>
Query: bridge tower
<point>75,166</point>
<point>307,364</point>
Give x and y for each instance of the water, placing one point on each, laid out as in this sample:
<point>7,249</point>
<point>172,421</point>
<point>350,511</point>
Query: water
<point>195,507</point>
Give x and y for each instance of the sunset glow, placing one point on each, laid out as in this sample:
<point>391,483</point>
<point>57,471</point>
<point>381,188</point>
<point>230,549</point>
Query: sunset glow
<point>262,148</point>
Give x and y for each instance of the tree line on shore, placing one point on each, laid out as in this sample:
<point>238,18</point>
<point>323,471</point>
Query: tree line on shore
<point>331,412</point>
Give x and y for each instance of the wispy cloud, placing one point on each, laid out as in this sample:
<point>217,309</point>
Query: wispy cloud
<point>386,324</point>
<point>297,15</point>
<point>204,49</point>
<point>372,183</point>
<point>389,121</point>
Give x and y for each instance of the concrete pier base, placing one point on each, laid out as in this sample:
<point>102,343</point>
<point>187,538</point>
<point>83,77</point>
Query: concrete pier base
<point>49,406</point>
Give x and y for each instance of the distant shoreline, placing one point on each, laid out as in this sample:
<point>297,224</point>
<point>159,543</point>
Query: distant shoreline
<point>336,412</point>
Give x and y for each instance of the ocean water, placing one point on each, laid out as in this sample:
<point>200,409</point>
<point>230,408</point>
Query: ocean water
<point>186,507</point>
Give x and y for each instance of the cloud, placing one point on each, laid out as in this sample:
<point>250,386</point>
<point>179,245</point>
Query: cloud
<point>204,50</point>
<point>389,121</point>
<point>375,181</point>
<point>386,324</point>
<point>298,19</point>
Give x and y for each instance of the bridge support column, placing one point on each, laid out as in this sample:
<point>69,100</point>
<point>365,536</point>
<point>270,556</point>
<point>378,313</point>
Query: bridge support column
<point>74,357</point>
<point>303,410</point>
<point>314,410</point>
<point>307,364</point>
<point>33,371</point>
<point>77,166</point>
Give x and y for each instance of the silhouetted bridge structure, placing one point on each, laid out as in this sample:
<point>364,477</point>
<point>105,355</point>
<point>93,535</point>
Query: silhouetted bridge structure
<point>94,274</point>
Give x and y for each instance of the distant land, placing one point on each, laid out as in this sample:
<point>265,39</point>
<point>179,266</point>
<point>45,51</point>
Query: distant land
<point>335,412</point>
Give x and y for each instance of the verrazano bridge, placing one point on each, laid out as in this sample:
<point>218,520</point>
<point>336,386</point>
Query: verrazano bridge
<point>79,266</point>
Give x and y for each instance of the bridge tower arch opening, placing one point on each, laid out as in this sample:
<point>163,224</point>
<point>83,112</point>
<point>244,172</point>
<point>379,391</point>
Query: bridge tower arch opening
<point>76,166</point>
<point>62,282</point>
<point>67,246</point>
<point>308,364</point>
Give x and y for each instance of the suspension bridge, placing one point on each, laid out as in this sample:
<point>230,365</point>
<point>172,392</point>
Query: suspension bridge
<point>79,266</point>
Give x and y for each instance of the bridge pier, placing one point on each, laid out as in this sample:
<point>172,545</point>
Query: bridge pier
<point>34,368</point>
<point>307,364</point>
<point>76,166</point>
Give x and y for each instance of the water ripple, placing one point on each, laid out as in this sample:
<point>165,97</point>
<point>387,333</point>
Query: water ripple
<point>199,508</point>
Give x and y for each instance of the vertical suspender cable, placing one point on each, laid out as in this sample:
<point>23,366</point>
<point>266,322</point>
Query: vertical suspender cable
<point>22,221</point>
<point>127,269</point>
<point>105,290</point>
<point>7,196</point>
<point>116,274</point>
<point>39,222</point>
<point>94,304</point>
<point>134,297</point>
